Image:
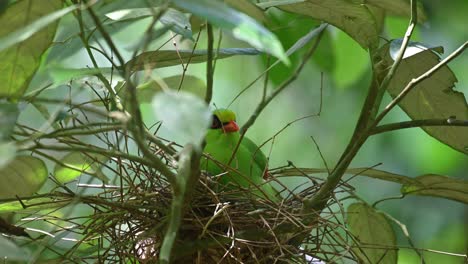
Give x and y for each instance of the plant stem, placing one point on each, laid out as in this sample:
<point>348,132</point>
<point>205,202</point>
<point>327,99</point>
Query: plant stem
<point>418,123</point>
<point>209,65</point>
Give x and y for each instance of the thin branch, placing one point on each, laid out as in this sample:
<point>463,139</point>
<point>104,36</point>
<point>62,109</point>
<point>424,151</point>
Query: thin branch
<point>106,37</point>
<point>161,167</point>
<point>209,65</point>
<point>321,155</point>
<point>298,45</point>
<point>266,100</point>
<point>261,106</point>
<point>418,123</point>
<point>185,67</point>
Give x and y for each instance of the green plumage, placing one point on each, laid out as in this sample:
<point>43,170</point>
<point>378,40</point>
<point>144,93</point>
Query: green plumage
<point>248,166</point>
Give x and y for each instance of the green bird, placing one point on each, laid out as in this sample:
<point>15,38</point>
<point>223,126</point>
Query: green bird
<point>248,166</point>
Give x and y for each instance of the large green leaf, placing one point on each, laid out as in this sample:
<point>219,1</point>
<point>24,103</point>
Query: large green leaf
<point>433,98</point>
<point>376,240</point>
<point>439,186</point>
<point>183,114</point>
<point>29,30</point>
<point>166,58</point>
<point>23,176</point>
<point>240,25</point>
<point>75,164</point>
<point>21,50</point>
<point>353,18</point>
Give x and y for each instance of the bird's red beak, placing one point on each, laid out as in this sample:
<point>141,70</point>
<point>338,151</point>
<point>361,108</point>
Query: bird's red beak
<point>230,127</point>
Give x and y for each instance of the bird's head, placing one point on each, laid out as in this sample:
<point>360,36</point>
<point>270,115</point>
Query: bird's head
<point>225,120</point>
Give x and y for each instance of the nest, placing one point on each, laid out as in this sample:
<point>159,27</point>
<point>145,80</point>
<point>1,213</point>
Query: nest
<point>218,226</point>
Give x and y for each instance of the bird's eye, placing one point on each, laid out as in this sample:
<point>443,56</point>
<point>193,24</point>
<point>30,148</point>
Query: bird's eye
<point>216,123</point>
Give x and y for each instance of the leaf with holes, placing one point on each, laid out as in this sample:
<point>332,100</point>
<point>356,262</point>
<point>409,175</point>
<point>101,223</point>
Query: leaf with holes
<point>434,97</point>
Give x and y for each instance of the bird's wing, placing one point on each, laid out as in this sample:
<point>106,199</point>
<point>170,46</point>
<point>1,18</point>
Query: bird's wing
<point>259,157</point>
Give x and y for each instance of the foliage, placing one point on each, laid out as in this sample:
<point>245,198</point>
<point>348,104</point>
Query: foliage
<point>122,189</point>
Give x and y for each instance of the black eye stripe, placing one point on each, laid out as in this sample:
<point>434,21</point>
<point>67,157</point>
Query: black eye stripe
<point>216,123</point>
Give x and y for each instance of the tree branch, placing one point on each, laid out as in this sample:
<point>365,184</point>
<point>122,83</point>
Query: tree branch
<point>209,65</point>
<point>187,176</point>
<point>282,86</point>
<point>418,123</point>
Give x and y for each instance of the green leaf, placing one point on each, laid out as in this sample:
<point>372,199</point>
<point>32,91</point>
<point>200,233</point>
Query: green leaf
<point>190,84</point>
<point>433,98</point>
<point>7,153</point>
<point>62,75</point>
<point>166,58</point>
<point>32,20</point>
<point>239,24</point>
<point>368,172</point>
<point>32,205</point>
<point>29,30</point>
<point>9,251</point>
<point>172,18</point>
<point>183,114</point>
<point>399,8</point>
<point>438,186</point>
<point>75,164</point>
<point>373,232</point>
<point>23,176</point>
<point>353,18</point>
<point>8,115</point>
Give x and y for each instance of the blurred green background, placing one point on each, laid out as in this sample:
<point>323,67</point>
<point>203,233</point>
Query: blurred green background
<point>433,223</point>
